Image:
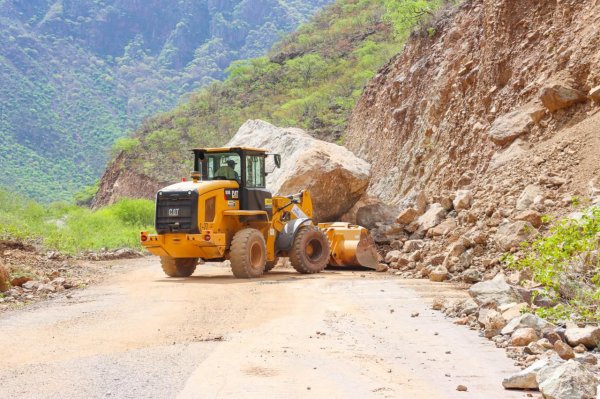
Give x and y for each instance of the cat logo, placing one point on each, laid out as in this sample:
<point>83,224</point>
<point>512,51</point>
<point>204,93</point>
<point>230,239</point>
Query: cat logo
<point>268,203</point>
<point>173,211</point>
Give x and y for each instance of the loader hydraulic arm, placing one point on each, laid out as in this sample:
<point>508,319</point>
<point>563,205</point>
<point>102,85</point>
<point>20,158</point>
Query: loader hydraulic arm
<point>290,207</point>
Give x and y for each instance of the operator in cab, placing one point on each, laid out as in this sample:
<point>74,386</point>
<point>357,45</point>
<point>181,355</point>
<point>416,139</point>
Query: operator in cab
<point>227,171</point>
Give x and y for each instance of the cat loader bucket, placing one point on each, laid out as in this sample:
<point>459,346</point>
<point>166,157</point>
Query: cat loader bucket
<point>351,245</point>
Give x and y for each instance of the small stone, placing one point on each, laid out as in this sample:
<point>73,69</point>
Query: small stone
<point>588,336</point>
<point>533,217</point>
<point>407,216</point>
<point>525,379</point>
<point>595,94</point>
<point>381,267</point>
<point>414,314</point>
<point>564,350</point>
<point>534,348</point>
<point>558,96</point>
<point>439,274</point>
<point>438,303</point>
<point>463,199</point>
<point>580,349</point>
<point>461,388</point>
<point>523,336</point>
<point>588,359</point>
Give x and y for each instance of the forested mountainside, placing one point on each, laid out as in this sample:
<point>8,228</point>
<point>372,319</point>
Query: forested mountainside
<point>311,79</point>
<point>77,74</point>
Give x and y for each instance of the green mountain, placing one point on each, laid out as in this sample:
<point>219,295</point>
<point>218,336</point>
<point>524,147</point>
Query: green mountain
<point>77,74</point>
<point>311,79</point>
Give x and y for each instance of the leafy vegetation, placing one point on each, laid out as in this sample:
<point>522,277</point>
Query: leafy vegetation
<point>311,79</point>
<point>76,75</point>
<point>566,263</point>
<point>72,229</point>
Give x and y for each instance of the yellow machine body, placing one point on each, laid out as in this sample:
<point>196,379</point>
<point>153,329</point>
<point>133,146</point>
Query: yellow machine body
<point>214,208</point>
<point>219,222</point>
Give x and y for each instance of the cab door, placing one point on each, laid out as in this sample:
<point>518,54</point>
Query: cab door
<point>254,195</point>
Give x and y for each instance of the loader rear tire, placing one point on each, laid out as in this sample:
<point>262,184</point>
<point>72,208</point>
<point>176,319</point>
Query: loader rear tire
<point>310,250</point>
<point>178,267</point>
<point>248,254</point>
<point>270,265</point>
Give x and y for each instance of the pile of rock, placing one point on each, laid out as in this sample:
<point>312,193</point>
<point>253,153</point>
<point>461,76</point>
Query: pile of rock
<point>560,361</point>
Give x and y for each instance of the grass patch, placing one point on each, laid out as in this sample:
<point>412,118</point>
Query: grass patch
<point>72,229</point>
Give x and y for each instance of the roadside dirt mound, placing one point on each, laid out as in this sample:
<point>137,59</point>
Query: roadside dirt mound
<point>29,275</point>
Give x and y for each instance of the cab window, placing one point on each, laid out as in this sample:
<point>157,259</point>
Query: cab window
<point>223,166</point>
<point>255,171</point>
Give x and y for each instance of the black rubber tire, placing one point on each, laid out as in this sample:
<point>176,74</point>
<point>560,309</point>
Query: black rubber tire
<point>310,250</point>
<point>248,254</point>
<point>270,265</point>
<point>178,267</point>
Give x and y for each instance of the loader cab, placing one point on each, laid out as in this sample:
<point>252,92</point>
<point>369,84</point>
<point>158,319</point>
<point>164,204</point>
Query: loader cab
<point>246,166</point>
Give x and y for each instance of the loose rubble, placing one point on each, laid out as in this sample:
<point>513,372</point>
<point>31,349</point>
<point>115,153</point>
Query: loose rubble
<point>32,275</point>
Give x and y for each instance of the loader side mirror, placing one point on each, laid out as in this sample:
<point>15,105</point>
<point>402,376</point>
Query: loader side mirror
<point>277,159</point>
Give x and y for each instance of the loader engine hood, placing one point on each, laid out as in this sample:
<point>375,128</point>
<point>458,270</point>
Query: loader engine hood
<point>177,205</point>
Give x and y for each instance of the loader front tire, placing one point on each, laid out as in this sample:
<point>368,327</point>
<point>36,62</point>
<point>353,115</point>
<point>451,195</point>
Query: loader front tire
<point>310,250</point>
<point>178,267</point>
<point>248,254</point>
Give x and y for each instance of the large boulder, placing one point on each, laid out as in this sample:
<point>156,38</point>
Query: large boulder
<point>335,177</point>
<point>569,380</point>
<point>495,290</point>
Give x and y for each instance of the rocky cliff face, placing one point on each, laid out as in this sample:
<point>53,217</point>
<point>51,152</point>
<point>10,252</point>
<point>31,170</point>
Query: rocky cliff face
<point>472,102</point>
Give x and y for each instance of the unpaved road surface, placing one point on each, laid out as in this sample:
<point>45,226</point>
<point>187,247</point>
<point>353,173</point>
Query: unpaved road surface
<point>338,334</point>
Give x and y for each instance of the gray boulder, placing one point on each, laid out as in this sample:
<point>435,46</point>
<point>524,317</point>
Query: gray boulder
<point>525,379</point>
<point>335,177</point>
<point>526,320</point>
<point>569,380</point>
<point>495,290</point>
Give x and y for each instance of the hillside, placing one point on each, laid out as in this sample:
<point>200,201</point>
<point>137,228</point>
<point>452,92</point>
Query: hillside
<point>76,75</point>
<point>312,79</point>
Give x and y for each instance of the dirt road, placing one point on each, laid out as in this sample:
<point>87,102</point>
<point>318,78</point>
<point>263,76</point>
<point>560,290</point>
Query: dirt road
<point>333,335</point>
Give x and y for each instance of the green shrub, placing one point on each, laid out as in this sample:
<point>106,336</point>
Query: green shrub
<point>566,263</point>
<point>74,229</point>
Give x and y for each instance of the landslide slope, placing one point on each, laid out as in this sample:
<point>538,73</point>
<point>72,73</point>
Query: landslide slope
<point>76,75</point>
<point>496,96</point>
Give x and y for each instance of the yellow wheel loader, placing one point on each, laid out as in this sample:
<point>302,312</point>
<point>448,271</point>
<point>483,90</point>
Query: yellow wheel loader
<point>226,212</point>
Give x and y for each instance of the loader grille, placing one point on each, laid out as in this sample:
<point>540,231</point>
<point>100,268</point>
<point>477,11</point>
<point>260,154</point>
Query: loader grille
<point>177,212</point>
